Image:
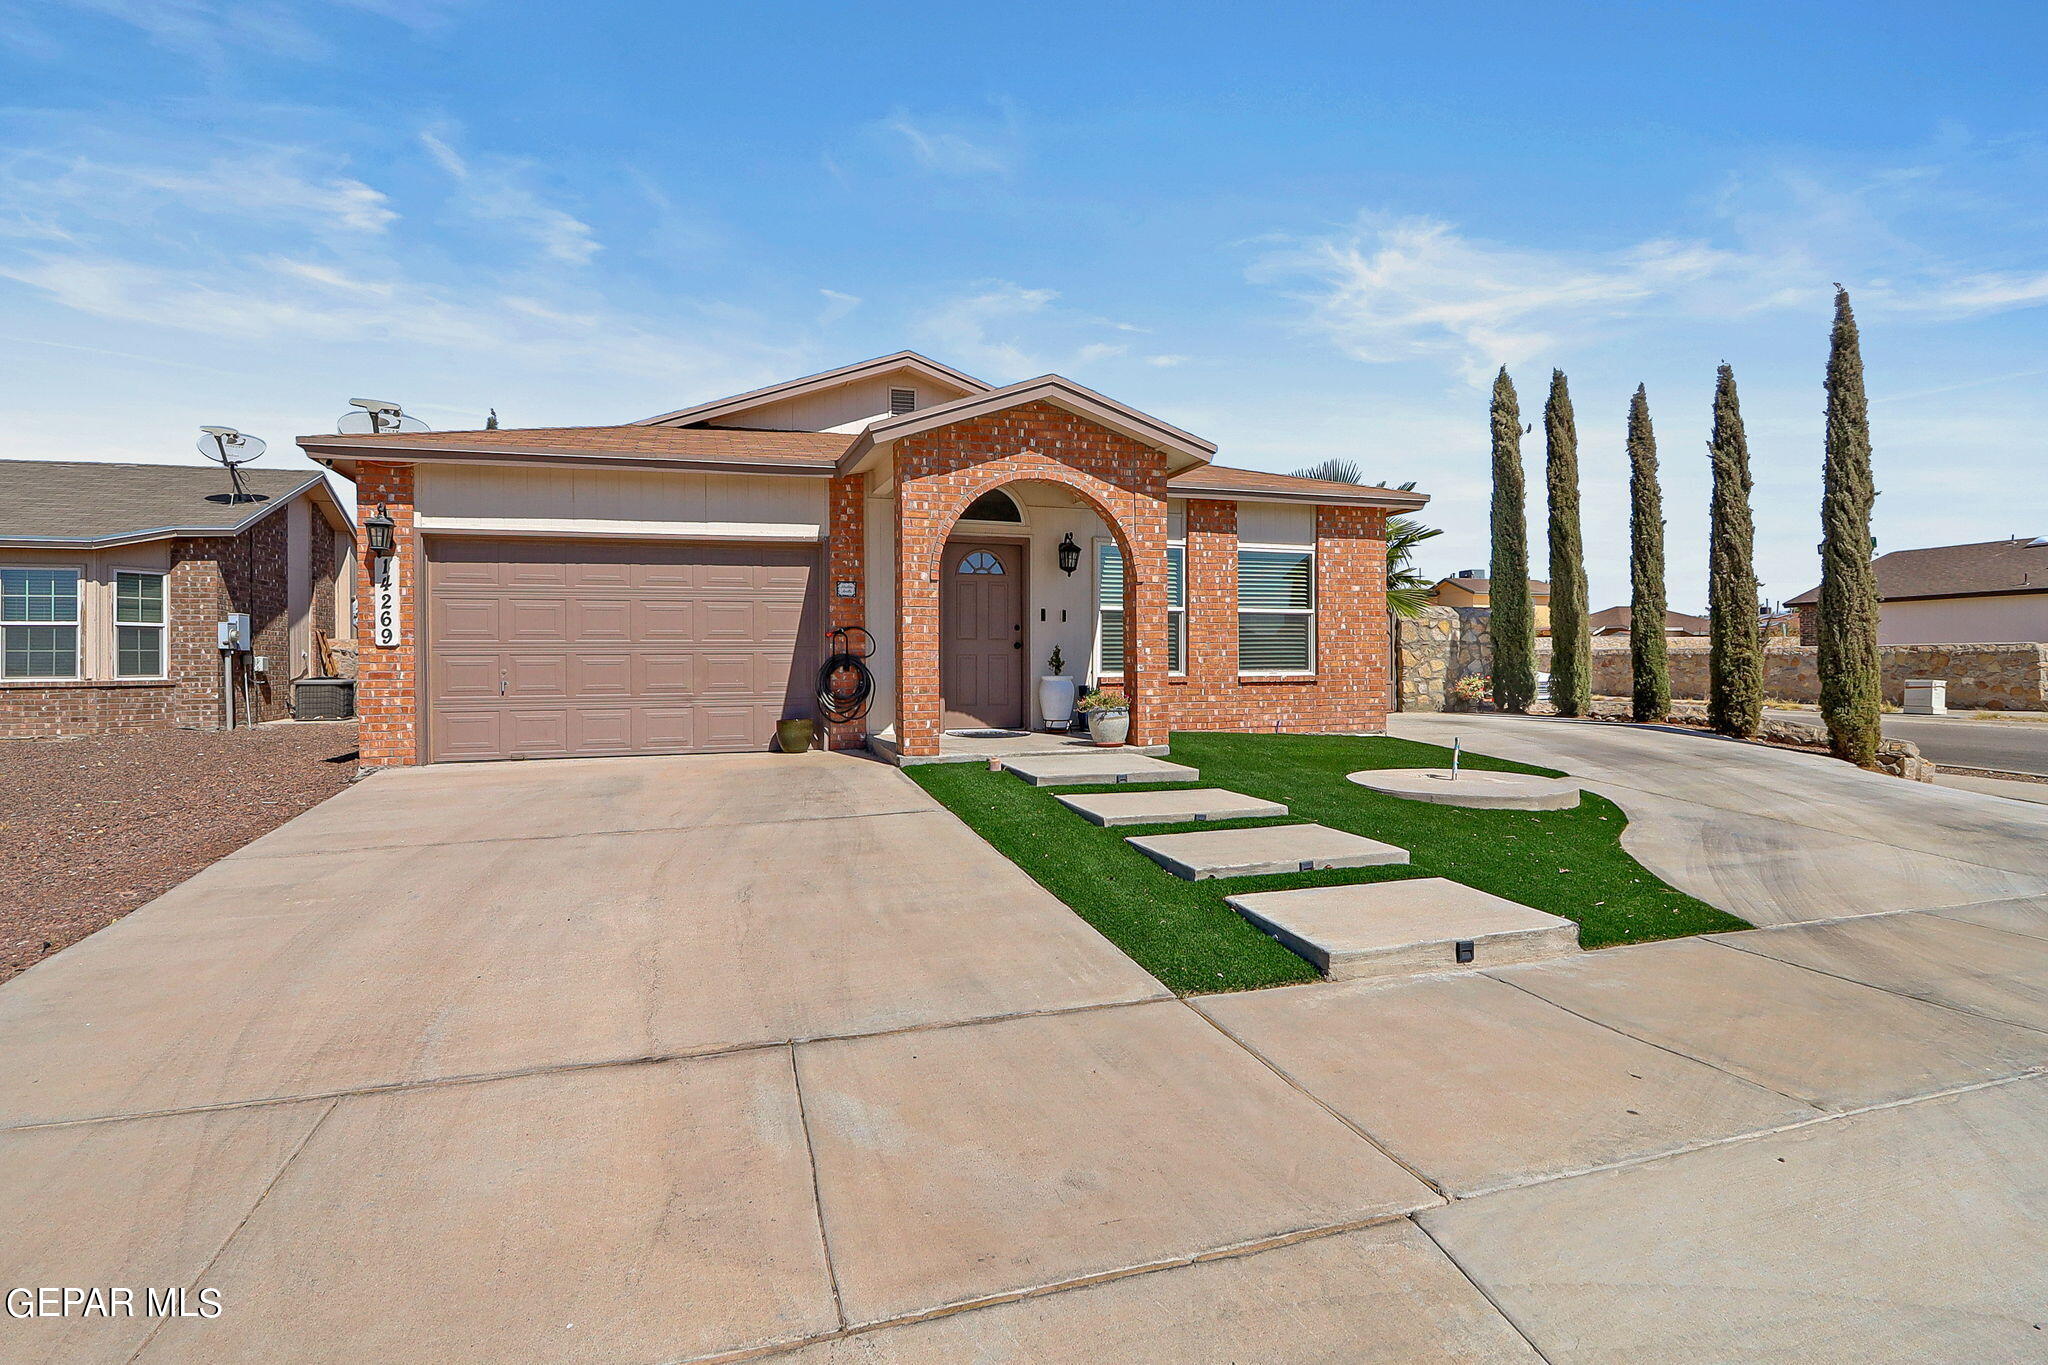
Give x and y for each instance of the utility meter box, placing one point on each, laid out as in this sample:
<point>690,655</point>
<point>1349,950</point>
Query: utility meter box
<point>233,632</point>
<point>1926,697</point>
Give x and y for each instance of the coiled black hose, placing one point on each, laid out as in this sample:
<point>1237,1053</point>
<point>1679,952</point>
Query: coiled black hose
<point>845,686</point>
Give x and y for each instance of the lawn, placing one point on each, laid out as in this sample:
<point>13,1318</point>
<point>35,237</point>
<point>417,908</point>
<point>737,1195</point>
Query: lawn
<point>1569,863</point>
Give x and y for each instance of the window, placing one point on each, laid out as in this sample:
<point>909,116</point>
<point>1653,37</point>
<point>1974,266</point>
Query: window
<point>1109,599</point>
<point>38,623</point>
<point>994,505</point>
<point>1276,613</point>
<point>138,625</point>
<point>980,561</point>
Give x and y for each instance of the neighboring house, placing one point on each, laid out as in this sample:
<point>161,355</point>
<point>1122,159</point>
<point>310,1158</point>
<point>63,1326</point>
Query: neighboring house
<point>1990,592</point>
<point>113,578</point>
<point>1621,620</point>
<point>666,586</point>
<point>1471,588</point>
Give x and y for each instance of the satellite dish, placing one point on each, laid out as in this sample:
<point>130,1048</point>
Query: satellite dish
<point>226,446</point>
<point>375,417</point>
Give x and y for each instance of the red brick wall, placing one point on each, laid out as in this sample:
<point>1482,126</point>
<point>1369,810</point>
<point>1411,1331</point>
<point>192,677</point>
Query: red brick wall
<point>210,576</point>
<point>1348,689</point>
<point>387,680</point>
<point>845,562</point>
<point>939,473</point>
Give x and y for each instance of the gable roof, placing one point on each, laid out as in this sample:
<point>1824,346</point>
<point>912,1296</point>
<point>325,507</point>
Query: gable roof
<point>1258,484</point>
<point>1062,393</point>
<point>80,504</point>
<point>1623,618</point>
<point>1537,586</point>
<point>1985,568</point>
<point>734,450</point>
<point>811,383</point>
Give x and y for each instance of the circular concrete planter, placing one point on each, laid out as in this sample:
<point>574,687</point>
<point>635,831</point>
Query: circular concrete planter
<point>1487,791</point>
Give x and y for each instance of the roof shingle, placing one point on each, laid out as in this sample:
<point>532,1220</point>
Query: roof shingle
<point>70,500</point>
<point>1985,566</point>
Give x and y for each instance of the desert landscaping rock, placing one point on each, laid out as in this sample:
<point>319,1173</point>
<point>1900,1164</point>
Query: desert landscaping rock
<point>1910,1233</point>
<point>1263,852</point>
<point>966,1162</point>
<point>1399,928</point>
<point>1833,1043</point>
<point>1475,1084</point>
<point>1483,790</point>
<point>1168,807</point>
<point>1112,765</point>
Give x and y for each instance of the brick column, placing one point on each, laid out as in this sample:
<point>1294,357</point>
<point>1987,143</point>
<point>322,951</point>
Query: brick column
<point>1211,662</point>
<point>387,678</point>
<point>1352,629</point>
<point>846,562</point>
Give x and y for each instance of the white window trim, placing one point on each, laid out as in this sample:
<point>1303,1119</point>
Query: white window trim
<point>162,628</point>
<point>77,624</point>
<point>1311,611</point>
<point>1095,597</point>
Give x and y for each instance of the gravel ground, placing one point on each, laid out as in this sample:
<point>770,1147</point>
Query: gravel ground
<point>92,828</point>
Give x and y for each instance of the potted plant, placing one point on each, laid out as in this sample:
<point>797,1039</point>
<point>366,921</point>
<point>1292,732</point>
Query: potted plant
<point>1468,693</point>
<point>1056,693</point>
<point>1109,717</point>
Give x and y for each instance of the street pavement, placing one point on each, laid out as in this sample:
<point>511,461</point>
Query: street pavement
<point>2014,746</point>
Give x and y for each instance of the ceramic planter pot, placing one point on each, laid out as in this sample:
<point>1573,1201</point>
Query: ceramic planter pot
<point>794,736</point>
<point>1056,701</point>
<point>1109,728</point>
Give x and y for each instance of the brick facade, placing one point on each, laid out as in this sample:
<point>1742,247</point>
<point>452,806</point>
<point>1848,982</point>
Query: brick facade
<point>387,676</point>
<point>209,577</point>
<point>846,562</point>
<point>940,472</point>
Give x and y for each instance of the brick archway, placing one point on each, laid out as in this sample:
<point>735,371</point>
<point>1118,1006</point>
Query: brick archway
<point>940,473</point>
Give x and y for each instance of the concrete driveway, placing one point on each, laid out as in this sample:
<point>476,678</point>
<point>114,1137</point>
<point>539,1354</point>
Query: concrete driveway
<point>666,1060</point>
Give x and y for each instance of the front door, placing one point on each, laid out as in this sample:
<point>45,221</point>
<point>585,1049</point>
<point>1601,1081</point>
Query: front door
<point>981,635</point>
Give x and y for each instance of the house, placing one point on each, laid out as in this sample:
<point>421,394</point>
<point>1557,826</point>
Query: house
<point>1472,588</point>
<point>1988,592</point>
<point>666,585</point>
<point>1621,620</point>
<point>114,577</point>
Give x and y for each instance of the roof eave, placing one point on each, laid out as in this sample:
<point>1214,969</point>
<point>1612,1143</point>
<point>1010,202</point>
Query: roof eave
<point>329,452</point>
<point>791,388</point>
<point>1078,399</point>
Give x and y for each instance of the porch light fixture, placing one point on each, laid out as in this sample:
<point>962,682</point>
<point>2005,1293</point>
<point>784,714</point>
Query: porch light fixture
<point>1070,554</point>
<point>379,528</point>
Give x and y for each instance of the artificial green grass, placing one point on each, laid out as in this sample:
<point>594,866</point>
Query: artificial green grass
<point>1568,862</point>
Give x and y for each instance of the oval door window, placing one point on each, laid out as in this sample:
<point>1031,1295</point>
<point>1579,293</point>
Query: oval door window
<point>980,561</point>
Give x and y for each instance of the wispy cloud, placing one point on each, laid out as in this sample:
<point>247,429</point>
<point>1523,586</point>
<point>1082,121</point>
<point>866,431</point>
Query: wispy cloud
<point>837,306</point>
<point>945,150</point>
<point>263,184</point>
<point>493,190</point>
<point>212,32</point>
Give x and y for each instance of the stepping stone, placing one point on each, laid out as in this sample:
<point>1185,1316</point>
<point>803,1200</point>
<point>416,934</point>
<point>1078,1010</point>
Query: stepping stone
<point>1055,770</point>
<point>1487,791</point>
<point>1167,808</point>
<point>1262,852</point>
<point>1400,928</point>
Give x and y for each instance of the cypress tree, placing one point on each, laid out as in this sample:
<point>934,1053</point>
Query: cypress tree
<point>1513,623</point>
<point>1735,689</point>
<point>1571,646</point>
<point>1849,682</point>
<point>1648,655</point>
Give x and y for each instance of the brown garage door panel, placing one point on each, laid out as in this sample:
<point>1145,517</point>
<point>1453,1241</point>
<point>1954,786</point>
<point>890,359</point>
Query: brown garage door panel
<point>542,649</point>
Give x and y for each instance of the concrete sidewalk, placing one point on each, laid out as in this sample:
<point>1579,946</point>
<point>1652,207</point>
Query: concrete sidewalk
<point>665,1060</point>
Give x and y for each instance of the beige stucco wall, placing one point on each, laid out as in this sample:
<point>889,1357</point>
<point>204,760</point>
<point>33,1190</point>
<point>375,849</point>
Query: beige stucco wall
<point>855,402</point>
<point>1992,620</point>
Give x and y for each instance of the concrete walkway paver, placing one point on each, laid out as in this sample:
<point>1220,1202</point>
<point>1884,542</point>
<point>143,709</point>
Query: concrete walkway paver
<point>968,1162</point>
<point>1380,1294</point>
<point>1102,766</point>
<point>1263,851</point>
<point>1382,929</point>
<point>1831,1042</point>
<point>1476,1084</point>
<point>1167,807</point>
<point>1918,1233</point>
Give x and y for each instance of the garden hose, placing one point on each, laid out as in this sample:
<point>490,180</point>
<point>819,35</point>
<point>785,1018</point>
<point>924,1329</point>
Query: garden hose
<point>845,686</point>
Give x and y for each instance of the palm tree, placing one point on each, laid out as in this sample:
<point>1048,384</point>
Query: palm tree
<point>1407,590</point>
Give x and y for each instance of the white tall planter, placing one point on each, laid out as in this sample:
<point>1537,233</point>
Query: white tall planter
<point>1056,700</point>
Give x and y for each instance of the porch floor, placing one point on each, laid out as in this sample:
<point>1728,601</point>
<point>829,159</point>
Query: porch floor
<point>967,749</point>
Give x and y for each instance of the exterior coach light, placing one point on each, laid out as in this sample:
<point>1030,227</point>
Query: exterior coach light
<point>379,529</point>
<point>1070,554</point>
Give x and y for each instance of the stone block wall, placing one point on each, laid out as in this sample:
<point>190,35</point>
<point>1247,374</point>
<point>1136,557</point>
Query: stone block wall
<point>1996,677</point>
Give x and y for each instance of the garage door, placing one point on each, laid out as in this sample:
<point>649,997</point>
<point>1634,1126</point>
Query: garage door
<point>554,649</point>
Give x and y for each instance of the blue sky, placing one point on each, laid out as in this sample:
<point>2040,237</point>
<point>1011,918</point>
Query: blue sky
<point>1299,230</point>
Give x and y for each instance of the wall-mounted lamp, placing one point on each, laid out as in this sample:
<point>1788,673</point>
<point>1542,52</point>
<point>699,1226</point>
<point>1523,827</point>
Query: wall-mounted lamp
<point>379,529</point>
<point>1070,554</point>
